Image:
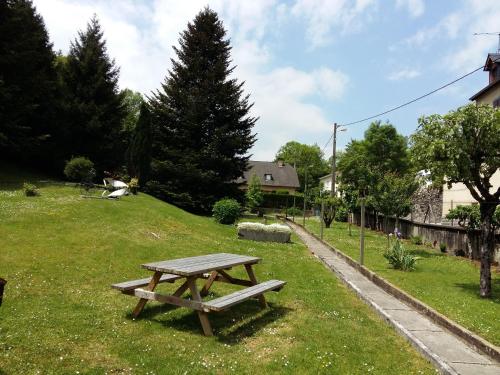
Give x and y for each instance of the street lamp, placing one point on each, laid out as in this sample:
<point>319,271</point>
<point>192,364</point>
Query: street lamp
<point>334,156</point>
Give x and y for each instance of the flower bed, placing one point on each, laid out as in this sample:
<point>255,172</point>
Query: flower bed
<point>262,232</point>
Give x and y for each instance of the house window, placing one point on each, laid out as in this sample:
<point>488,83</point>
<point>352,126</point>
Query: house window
<point>268,177</point>
<point>496,102</point>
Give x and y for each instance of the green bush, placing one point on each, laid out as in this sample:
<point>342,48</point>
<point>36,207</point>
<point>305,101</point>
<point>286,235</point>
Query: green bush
<point>294,211</point>
<point>30,190</point>
<point>79,169</point>
<point>341,214</point>
<point>399,258</point>
<point>416,240</point>
<point>226,211</point>
<point>442,247</point>
<point>134,185</point>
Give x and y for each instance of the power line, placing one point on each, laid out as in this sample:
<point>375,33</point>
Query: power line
<point>407,103</point>
<point>417,99</point>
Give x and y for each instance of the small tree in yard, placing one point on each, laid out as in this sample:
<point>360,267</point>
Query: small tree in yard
<point>330,208</point>
<point>464,146</point>
<point>392,196</point>
<point>254,194</point>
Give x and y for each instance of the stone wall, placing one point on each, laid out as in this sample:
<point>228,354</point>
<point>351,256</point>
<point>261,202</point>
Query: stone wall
<point>427,206</point>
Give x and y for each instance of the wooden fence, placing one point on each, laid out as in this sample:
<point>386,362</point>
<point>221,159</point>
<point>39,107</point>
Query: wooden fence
<point>455,238</point>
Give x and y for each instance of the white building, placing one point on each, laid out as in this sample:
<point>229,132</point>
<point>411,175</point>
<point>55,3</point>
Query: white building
<point>326,183</point>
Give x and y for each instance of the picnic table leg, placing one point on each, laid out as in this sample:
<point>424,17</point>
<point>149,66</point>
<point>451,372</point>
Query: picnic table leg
<point>151,286</point>
<point>208,284</point>
<point>205,323</point>
<point>253,279</point>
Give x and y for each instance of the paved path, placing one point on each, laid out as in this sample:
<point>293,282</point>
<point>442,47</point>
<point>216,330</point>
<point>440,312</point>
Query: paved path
<point>447,352</point>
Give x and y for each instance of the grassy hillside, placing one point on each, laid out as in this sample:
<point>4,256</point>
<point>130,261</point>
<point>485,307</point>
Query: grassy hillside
<point>60,253</point>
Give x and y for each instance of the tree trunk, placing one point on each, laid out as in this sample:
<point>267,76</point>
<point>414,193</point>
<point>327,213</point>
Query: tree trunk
<point>349,219</point>
<point>487,247</point>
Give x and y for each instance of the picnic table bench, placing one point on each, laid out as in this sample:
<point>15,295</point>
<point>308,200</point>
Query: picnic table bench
<point>211,268</point>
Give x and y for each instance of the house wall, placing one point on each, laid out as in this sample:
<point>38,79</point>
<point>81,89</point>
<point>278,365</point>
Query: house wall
<point>490,96</point>
<point>460,195</point>
<point>327,183</point>
<point>271,188</point>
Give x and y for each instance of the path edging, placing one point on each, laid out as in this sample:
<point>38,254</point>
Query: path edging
<point>436,360</point>
<point>476,341</point>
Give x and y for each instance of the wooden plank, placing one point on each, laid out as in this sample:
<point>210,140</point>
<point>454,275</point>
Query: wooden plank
<point>233,280</point>
<point>223,303</point>
<point>253,279</point>
<point>201,264</point>
<point>181,289</point>
<point>173,300</point>
<point>208,283</point>
<point>132,284</point>
<point>142,302</point>
<point>202,315</point>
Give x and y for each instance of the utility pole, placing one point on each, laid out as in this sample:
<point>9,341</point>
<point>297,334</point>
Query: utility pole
<point>362,233</point>
<point>334,162</point>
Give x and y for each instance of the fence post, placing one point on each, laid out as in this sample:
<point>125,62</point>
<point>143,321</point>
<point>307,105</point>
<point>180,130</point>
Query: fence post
<point>362,233</point>
<point>321,218</point>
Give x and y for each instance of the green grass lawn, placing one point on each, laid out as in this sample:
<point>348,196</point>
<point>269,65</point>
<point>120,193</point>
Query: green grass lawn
<point>448,284</point>
<point>60,253</point>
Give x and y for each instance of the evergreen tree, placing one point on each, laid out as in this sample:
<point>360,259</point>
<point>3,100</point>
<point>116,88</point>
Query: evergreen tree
<point>94,103</point>
<point>139,154</point>
<point>28,84</point>
<point>202,125</point>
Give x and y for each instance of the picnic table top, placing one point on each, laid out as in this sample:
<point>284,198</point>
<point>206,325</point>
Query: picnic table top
<point>200,264</point>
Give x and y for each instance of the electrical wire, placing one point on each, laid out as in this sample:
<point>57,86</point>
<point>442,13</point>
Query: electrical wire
<point>408,102</point>
<point>417,99</point>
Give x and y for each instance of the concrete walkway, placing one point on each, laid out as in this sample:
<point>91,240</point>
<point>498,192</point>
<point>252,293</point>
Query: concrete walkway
<point>447,352</point>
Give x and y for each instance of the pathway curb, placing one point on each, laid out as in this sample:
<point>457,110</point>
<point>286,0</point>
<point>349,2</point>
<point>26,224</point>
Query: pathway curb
<point>474,340</point>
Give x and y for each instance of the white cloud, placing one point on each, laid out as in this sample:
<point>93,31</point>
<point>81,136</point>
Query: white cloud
<point>323,16</point>
<point>469,51</point>
<point>404,74</point>
<point>415,7</point>
<point>140,35</point>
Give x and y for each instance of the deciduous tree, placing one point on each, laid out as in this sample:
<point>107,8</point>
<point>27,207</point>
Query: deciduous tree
<point>304,157</point>
<point>464,146</point>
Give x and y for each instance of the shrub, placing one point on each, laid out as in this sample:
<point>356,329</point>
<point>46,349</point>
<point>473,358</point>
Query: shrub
<point>416,240</point>
<point>254,195</point>
<point>399,258</point>
<point>271,228</point>
<point>134,185</point>
<point>30,190</point>
<point>79,169</point>
<point>294,211</point>
<point>341,214</point>
<point>226,211</point>
<point>442,247</point>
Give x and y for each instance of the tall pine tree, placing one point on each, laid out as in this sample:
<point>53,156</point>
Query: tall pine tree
<point>28,84</point>
<point>202,126</point>
<point>139,152</point>
<point>94,103</point>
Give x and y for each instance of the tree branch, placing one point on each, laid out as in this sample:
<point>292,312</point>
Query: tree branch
<point>473,192</point>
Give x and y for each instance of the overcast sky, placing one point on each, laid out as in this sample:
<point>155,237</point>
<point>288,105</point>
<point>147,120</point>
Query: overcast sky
<point>306,63</point>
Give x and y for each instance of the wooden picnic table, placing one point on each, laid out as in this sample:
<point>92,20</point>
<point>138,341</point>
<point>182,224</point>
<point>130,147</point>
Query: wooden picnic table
<point>211,268</point>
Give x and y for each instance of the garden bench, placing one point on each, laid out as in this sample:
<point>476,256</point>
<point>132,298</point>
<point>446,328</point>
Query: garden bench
<point>127,286</point>
<point>210,268</point>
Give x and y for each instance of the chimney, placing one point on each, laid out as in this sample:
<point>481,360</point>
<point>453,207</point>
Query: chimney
<point>281,163</point>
